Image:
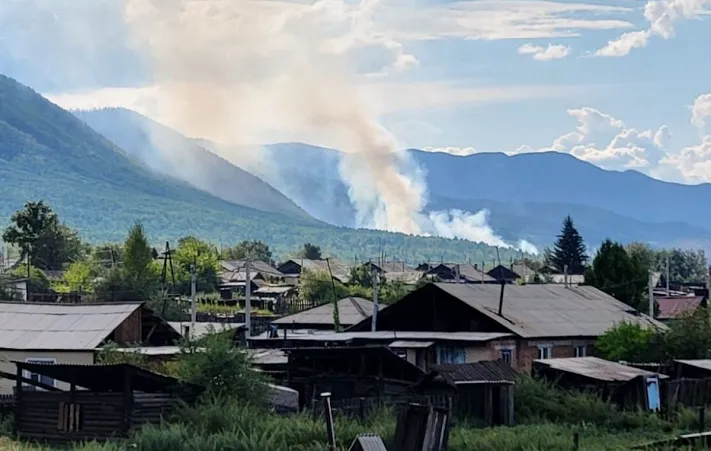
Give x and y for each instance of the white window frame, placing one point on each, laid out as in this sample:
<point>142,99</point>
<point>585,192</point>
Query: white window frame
<point>577,351</point>
<point>545,352</point>
<point>28,374</point>
<point>510,352</point>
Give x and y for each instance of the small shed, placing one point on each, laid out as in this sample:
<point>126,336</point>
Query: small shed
<point>484,390</point>
<point>368,442</point>
<point>349,372</point>
<point>104,402</point>
<point>624,385</point>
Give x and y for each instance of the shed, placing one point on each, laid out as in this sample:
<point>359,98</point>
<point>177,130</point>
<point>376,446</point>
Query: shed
<point>692,369</point>
<point>484,390</point>
<point>624,385</point>
<point>72,333</point>
<point>104,402</point>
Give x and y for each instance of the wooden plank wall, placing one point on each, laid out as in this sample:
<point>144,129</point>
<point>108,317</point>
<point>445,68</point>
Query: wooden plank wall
<point>130,331</point>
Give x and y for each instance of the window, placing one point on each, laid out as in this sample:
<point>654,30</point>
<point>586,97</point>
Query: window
<point>447,354</point>
<point>545,351</point>
<point>36,377</point>
<point>507,355</point>
<point>581,351</point>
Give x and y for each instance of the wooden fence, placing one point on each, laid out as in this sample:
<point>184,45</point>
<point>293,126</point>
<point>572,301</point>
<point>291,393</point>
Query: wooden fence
<point>686,392</point>
<point>362,408</point>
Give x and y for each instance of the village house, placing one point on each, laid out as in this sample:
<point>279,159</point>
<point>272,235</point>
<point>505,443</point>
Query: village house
<point>673,307</point>
<point>544,321</point>
<point>73,333</point>
<point>512,273</point>
<point>464,273</point>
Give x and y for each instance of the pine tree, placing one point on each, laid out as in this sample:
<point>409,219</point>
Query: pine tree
<point>569,250</point>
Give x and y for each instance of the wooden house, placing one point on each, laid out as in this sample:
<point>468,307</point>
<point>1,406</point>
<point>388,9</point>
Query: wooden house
<point>74,333</point>
<point>544,321</point>
<point>293,268</point>
<point>103,402</point>
<point>484,391</point>
<point>351,310</point>
<point>623,385</point>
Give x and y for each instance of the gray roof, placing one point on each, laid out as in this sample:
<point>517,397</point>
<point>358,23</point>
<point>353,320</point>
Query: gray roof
<point>595,368</point>
<point>704,364</point>
<point>466,272</point>
<point>267,356</point>
<point>71,327</point>
<point>368,442</point>
<point>396,335</point>
<point>268,289</point>
<point>204,328</point>
<point>549,310</point>
<point>407,277</point>
<point>351,310</point>
<point>254,266</point>
<point>340,271</point>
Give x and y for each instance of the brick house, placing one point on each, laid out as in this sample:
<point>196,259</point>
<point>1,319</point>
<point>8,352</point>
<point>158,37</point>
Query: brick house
<point>546,321</point>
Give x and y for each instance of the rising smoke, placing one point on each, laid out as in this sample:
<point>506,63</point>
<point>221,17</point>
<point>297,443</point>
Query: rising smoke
<point>242,71</point>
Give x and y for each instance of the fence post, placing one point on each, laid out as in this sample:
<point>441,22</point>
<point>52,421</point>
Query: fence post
<point>576,441</point>
<point>329,421</point>
<point>361,409</point>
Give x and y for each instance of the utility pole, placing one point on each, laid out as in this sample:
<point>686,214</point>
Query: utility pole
<point>650,293</point>
<point>376,288</point>
<point>666,277</point>
<point>193,301</point>
<point>565,275</point>
<point>247,300</point>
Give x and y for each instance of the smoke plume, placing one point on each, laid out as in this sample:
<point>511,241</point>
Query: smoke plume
<point>245,71</point>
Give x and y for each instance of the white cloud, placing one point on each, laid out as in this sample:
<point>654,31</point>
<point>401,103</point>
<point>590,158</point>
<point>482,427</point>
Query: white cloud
<point>691,165</point>
<point>540,53</point>
<point>701,110</point>
<point>662,17</point>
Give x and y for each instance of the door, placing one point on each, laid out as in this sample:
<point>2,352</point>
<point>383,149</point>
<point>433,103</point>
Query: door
<point>653,401</point>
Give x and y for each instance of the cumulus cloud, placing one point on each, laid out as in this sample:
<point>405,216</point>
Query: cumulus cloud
<point>662,17</point>
<point>459,151</point>
<point>540,53</point>
<point>691,165</point>
<point>701,110</point>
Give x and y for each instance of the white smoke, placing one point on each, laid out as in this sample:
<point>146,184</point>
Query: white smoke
<point>242,70</point>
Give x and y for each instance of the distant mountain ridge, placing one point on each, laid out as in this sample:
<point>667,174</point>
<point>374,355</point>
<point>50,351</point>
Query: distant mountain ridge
<point>95,186</point>
<point>168,152</point>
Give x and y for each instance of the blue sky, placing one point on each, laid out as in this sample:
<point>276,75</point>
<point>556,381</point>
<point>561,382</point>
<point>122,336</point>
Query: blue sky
<point>451,76</point>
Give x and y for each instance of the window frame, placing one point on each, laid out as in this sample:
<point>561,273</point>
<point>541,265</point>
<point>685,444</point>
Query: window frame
<point>27,374</point>
<point>508,351</point>
<point>578,348</point>
<point>548,351</point>
<point>451,351</point>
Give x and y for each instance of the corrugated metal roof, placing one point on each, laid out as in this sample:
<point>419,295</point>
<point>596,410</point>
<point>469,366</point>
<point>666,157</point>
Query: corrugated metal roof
<point>411,344</point>
<point>351,310</point>
<point>466,272</point>
<point>676,306</point>
<point>274,290</point>
<point>267,356</point>
<point>406,277</point>
<point>704,364</point>
<point>549,310</point>
<point>71,327</point>
<point>596,368</point>
<point>494,371</point>
<point>394,335</point>
<point>254,266</point>
<point>368,442</point>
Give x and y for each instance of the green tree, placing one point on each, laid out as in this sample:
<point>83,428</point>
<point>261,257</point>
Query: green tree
<point>362,276</point>
<point>615,273</point>
<point>318,287</point>
<point>223,369</point>
<point>309,252</point>
<point>79,277</point>
<point>36,230</point>
<point>39,283</point>
<point>631,343</point>
<point>248,250</point>
<point>192,251</point>
<point>569,250</point>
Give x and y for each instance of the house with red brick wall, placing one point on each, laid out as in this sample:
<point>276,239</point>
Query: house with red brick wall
<point>544,321</point>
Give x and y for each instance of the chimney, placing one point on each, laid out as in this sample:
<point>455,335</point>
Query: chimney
<point>501,299</point>
<point>476,266</point>
<point>565,275</point>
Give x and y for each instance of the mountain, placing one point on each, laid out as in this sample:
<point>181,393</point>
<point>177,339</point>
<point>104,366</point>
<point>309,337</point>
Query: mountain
<point>168,152</point>
<point>100,189</point>
<point>527,195</point>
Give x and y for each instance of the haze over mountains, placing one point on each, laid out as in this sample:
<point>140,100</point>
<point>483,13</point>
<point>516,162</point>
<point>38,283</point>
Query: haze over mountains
<point>102,189</point>
<point>526,195</point>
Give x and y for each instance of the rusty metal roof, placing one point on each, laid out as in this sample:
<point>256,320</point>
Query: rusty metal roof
<point>548,310</point>
<point>595,368</point>
<point>71,327</point>
<point>487,372</point>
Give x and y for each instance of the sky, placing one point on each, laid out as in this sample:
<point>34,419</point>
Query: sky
<point>623,84</point>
